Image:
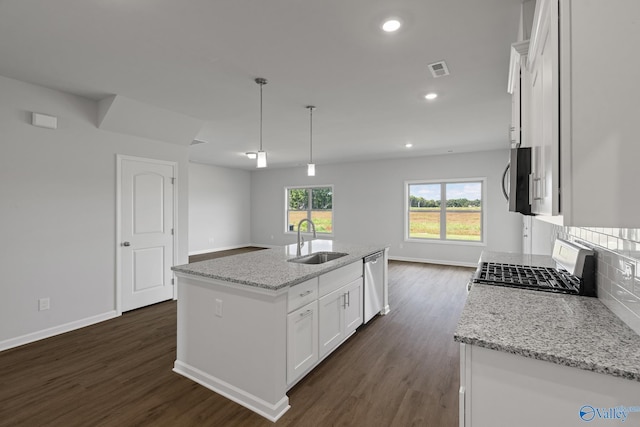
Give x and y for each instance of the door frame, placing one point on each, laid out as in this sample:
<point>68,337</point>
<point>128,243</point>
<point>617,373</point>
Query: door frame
<point>118,249</point>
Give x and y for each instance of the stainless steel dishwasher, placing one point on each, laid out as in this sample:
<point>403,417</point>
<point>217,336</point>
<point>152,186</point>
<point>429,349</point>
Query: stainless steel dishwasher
<point>373,285</point>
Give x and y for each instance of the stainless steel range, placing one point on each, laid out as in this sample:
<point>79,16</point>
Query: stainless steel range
<point>575,272</point>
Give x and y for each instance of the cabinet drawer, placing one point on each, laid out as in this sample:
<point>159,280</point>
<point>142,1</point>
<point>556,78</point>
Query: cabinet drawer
<point>301,294</point>
<point>335,279</point>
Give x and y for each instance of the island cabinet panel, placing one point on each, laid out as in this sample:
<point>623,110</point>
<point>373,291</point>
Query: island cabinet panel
<point>331,321</point>
<point>250,339</point>
<point>336,279</point>
<point>354,310</point>
<point>233,341</point>
<point>341,312</point>
<point>302,340</point>
<point>503,389</point>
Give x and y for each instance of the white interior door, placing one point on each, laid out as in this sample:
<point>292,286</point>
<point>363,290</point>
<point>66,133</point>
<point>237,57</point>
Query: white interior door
<point>146,232</point>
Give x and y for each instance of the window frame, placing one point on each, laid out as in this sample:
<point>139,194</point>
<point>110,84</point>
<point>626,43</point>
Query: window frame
<point>309,210</point>
<point>443,212</point>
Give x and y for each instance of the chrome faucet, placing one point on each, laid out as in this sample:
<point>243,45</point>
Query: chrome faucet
<point>300,238</point>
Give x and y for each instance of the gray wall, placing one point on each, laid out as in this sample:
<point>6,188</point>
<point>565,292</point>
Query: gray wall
<point>219,208</point>
<point>58,211</point>
<point>369,204</point>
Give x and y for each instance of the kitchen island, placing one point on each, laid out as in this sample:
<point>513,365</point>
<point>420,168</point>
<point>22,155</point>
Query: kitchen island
<point>531,358</point>
<point>251,326</point>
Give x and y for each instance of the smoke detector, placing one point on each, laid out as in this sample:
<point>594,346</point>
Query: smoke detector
<point>439,69</point>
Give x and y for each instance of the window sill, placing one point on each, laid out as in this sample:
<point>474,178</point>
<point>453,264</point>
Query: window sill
<point>447,242</point>
<point>305,233</point>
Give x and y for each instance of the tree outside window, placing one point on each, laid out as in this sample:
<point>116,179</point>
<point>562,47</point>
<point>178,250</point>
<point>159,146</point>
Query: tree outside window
<point>314,203</point>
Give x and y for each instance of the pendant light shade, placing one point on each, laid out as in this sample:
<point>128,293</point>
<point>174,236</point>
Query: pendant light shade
<point>311,167</point>
<point>262,159</point>
<point>262,155</point>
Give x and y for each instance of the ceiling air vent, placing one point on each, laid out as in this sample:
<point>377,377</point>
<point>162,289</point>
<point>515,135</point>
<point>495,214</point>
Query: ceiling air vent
<point>197,141</point>
<point>438,69</point>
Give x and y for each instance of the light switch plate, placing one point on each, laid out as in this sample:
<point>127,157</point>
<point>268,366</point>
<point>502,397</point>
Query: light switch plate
<point>44,121</point>
<point>43,304</point>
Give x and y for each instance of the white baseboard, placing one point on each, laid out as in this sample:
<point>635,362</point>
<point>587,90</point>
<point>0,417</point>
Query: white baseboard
<point>56,330</point>
<point>434,261</point>
<point>272,412</point>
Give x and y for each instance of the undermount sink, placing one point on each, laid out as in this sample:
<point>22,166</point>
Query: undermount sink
<point>318,258</point>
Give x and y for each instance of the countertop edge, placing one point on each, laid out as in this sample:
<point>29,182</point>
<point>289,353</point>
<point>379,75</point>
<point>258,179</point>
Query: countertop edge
<point>544,357</point>
<point>252,284</point>
<point>354,254</point>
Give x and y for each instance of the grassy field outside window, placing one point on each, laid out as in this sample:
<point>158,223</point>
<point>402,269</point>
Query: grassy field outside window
<point>448,211</point>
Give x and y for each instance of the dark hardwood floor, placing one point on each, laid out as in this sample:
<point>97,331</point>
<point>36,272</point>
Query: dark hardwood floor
<point>399,370</point>
<point>220,254</point>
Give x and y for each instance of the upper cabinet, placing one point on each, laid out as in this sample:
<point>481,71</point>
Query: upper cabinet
<point>544,76</point>
<point>584,93</point>
<point>518,87</point>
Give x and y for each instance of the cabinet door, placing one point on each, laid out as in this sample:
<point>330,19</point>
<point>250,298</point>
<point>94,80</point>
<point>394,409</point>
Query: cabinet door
<point>353,310</point>
<point>545,94</point>
<point>302,340</point>
<point>331,330</point>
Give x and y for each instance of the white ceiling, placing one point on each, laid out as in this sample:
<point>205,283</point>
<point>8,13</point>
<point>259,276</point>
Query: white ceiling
<point>200,58</point>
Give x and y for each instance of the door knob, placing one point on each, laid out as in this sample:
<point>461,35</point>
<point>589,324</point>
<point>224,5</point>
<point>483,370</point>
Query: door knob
<point>126,244</point>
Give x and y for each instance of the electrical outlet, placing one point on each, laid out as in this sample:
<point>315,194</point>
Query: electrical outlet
<point>218,307</point>
<point>629,270</point>
<point>212,240</point>
<point>43,304</point>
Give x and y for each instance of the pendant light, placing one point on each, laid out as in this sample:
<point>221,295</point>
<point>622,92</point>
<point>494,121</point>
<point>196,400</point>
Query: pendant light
<point>311,167</point>
<point>262,155</point>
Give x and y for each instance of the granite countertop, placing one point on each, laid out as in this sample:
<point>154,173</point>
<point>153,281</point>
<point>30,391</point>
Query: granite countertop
<point>269,269</point>
<point>565,329</point>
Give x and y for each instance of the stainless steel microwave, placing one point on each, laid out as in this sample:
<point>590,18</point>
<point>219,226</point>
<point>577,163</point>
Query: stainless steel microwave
<point>515,180</point>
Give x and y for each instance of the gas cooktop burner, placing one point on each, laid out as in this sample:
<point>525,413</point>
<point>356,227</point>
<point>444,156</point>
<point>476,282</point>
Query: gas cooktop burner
<point>523,276</point>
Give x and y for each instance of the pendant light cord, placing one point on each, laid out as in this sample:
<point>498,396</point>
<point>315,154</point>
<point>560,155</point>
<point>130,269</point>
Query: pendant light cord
<point>261,82</point>
<point>260,116</point>
<point>311,108</point>
<point>311,135</point>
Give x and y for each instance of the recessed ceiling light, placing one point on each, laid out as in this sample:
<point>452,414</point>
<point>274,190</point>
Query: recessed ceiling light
<point>408,145</point>
<point>391,25</point>
<point>431,96</point>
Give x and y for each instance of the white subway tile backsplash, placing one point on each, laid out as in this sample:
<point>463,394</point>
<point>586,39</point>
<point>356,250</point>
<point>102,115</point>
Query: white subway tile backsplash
<point>618,261</point>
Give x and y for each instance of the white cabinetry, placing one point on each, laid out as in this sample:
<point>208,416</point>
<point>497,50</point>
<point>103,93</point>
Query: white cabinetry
<point>584,111</point>
<point>341,309</point>
<point>315,326</point>
<point>545,172</point>
<point>302,340</point>
<point>519,88</point>
<point>340,315</point>
<point>354,311</point>
<point>502,389</point>
<point>252,344</point>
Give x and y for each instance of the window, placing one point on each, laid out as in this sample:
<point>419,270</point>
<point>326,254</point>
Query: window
<point>445,210</point>
<point>314,203</point>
